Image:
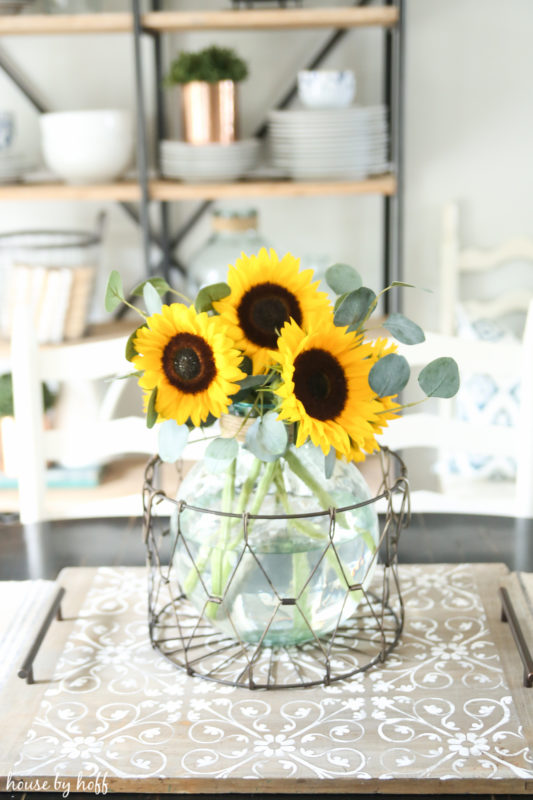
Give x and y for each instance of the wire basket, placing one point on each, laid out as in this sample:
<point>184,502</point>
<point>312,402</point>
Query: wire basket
<point>188,640</point>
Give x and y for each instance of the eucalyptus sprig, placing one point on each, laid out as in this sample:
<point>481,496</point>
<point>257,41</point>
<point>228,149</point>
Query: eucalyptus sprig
<point>391,373</point>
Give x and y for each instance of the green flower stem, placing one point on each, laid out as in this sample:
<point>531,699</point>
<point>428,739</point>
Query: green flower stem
<point>218,553</point>
<point>326,501</point>
<point>248,485</point>
<point>323,497</point>
<point>263,487</point>
<point>303,473</point>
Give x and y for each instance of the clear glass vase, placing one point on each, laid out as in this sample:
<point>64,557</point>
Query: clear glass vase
<point>283,580</point>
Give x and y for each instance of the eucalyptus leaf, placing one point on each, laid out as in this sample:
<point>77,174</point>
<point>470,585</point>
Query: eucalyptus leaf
<point>131,352</point>
<point>152,300</point>
<point>339,300</point>
<point>389,375</point>
<point>329,462</point>
<point>402,283</point>
<point>343,279</point>
<point>210,294</point>
<point>172,438</point>
<point>440,378</point>
<point>246,384</point>
<point>151,413</point>
<point>159,284</point>
<point>404,329</point>
<point>267,438</point>
<point>354,308</point>
<point>114,293</point>
<point>222,450</point>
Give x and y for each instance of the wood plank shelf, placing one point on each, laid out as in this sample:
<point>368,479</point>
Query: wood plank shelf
<point>175,190</point>
<point>270,18</point>
<point>226,19</point>
<point>126,191</point>
<point>49,24</point>
<point>129,191</point>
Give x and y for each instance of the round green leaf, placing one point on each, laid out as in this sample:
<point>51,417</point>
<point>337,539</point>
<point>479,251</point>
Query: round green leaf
<point>159,284</point>
<point>440,378</point>
<point>342,278</point>
<point>354,309</point>
<point>114,293</point>
<point>267,438</point>
<point>404,329</point>
<point>222,450</point>
<point>172,439</point>
<point>248,383</point>
<point>210,294</point>
<point>389,375</point>
<point>152,300</point>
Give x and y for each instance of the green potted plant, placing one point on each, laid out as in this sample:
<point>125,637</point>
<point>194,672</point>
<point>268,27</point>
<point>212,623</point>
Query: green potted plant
<point>208,81</point>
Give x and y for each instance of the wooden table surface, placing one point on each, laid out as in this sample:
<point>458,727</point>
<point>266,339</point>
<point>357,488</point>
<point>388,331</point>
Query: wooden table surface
<point>446,713</point>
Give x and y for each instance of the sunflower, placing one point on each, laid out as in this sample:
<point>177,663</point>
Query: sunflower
<point>325,388</point>
<point>267,292</point>
<point>190,360</point>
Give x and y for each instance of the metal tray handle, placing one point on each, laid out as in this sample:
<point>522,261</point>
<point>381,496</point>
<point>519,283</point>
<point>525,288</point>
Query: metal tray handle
<point>26,670</point>
<point>509,615</point>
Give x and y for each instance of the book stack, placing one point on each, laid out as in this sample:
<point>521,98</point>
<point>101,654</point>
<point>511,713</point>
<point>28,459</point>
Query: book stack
<point>58,296</point>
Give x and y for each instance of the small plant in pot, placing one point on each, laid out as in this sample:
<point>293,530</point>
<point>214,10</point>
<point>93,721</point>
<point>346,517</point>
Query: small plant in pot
<point>208,81</point>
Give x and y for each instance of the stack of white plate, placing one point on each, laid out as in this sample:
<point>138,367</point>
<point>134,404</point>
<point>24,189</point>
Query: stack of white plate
<point>208,162</point>
<point>330,143</point>
<point>12,167</point>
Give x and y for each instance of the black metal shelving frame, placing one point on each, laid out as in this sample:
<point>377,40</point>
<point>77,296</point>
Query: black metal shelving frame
<point>167,241</point>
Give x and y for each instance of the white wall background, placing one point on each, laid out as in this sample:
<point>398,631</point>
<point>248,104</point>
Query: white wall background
<point>469,118</point>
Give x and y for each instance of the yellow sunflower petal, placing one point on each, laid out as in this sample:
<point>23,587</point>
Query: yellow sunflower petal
<point>266,293</point>
<point>324,387</point>
<point>190,360</point>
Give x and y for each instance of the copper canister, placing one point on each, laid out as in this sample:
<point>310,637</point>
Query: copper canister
<point>209,112</point>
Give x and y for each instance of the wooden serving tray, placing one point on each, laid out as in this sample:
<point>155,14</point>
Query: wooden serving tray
<point>445,713</point>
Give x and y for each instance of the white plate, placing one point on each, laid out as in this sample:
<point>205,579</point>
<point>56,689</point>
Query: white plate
<point>310,115</point>
<point>168,145</point>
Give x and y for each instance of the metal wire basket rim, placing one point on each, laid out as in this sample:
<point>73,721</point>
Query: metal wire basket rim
<point>79,239</point>
<point>398,487</point>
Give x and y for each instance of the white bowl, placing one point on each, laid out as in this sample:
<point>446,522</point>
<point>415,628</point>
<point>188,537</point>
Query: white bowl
<point>87,146</point>
<point>323,88</point>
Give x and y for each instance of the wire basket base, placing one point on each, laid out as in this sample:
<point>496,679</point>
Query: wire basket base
<point>188,641</point>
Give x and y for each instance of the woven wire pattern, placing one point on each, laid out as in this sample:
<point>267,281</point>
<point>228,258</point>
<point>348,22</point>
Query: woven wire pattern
<point>189,641</point>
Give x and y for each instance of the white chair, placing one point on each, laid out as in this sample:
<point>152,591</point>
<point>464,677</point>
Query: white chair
<point>441,431</point>
<point>438,432</point>
<point>98,439</point>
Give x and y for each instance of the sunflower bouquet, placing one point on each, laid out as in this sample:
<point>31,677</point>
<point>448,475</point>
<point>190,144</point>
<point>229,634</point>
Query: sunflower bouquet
<point>287,390</point>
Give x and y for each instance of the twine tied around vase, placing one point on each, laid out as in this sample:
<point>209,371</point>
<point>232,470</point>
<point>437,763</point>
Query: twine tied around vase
<point>234,426</point>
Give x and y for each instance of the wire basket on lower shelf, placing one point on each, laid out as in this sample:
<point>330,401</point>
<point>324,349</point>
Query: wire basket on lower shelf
<point>212,645</point>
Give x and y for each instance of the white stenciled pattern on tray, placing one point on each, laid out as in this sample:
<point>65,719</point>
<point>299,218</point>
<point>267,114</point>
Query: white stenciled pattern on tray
<point>438,708</point>
<point>321,739</point>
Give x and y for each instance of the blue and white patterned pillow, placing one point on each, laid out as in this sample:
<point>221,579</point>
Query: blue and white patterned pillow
<point>485,400</point>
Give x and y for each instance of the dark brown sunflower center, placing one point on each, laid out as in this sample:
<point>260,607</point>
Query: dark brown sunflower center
<point>263,311</point>
<point>188,363</point>
<point>320,384</point>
